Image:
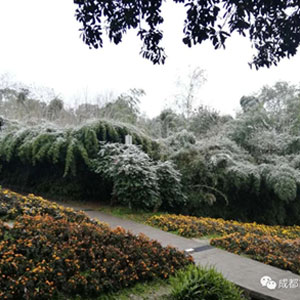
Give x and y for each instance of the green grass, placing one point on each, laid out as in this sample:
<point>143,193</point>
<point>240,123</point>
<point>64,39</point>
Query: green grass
<point>157,289</point>
<point>139,216</point>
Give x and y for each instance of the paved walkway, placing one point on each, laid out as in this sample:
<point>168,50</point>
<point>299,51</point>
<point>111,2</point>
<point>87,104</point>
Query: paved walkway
<point>244,272</point>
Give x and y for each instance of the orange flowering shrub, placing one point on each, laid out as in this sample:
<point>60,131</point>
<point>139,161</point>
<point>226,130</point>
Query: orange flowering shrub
<point>13,205</point>
<point>272,250</point>
<point>196,227</point>
<point>41,256</point>
<point>52,250</point>
<point>275,245</point>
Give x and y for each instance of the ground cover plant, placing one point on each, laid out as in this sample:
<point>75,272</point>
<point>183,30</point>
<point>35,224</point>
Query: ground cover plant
<point>140,216</point>
<point>158,289</point>
<point>189,226</point>
<point>52,250</point>
<point>199,283</point>
<point>275,245</point>
<point>273,250</point>
<point>13,205</point>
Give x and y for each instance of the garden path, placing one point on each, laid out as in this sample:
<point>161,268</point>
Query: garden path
<point>244,272</point>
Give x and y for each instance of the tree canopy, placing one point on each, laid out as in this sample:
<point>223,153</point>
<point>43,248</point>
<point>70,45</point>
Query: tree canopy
<point>273,27</point>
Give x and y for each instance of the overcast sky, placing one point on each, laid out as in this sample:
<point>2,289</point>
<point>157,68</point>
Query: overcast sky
<point>40,44</point>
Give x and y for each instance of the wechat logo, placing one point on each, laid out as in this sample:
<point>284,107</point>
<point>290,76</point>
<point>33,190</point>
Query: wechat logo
<point>266,281</point>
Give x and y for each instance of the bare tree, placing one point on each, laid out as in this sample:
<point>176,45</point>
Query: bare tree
<point>188,88</point>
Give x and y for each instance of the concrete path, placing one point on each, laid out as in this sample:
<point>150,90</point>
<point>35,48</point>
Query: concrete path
<point>244,272</point>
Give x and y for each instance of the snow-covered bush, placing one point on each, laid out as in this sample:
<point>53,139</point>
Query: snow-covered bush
<point>135,182</point>
<point>282,179</point>
<point>138,181</point>
<point>180,140</point>
<point>224,180</point>
<point>170,187</point>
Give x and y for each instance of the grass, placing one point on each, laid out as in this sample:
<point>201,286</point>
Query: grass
<point>157,289</point>
<point>139,216</point>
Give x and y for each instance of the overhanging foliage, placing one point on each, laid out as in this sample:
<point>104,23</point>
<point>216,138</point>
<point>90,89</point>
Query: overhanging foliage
<point>273,27</point>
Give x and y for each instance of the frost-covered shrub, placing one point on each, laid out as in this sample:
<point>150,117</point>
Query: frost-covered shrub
<point>220,147</point>
<point>282,180</point>
<point>180,140</point>
<point>170,187</point>
<point>56,161</point>
<point>253,161</point>
<point>270,142</point>
<point>246,125</point>
<point>205,120</point>
<point>138,181</point>
<point>222,179</point>
<point>295,162</point>
<point>199,179</point>
<point>244,176</point>
<point>135,182</point>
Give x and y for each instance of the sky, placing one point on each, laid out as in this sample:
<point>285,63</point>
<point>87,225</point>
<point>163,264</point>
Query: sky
<point>41,44</point>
